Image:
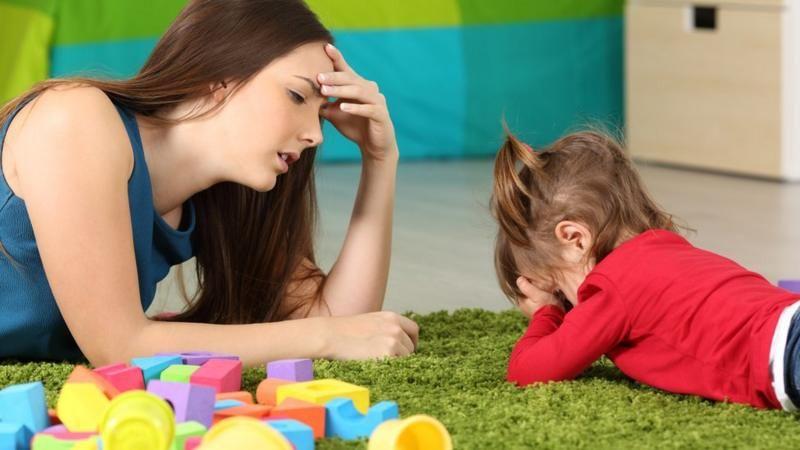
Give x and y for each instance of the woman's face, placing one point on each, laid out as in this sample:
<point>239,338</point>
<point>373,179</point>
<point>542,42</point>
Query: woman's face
<point>267,124</point>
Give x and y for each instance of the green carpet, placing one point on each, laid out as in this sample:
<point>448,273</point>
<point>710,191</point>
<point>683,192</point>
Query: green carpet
<point>457,377</point>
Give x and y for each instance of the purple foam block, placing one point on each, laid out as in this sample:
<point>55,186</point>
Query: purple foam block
<point>190,401</point>
<point>790,285</point>
<point>291,369</point>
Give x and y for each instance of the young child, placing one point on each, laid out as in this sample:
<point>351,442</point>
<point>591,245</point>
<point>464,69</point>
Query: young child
<point>584,251</point>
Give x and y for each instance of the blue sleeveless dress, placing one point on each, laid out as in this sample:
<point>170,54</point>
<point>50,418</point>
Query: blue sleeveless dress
<point>31,326</point>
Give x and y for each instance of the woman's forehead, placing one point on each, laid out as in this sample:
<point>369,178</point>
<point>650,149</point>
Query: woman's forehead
<point>307,60</point>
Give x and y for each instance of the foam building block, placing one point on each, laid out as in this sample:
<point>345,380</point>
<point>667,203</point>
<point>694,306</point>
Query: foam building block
<point>323,391</point>
<point>54,420</point>
<point>244,433</point>
<point>266,393</point>
<point>790,285</point>
<point>343,420</point>
<point>308,413</point>
<point>185,430</point>
<point>192,443</point>
<point>55,429</point>
<point>299,434</point>
<point>291,369</point>
<point>81,374</point>
<point>200,358</point>
<point>224,375</point>
<point>178,373</point>
<point>418,432</point>
<point>14,436</point>
<point>242,396</point>
<point>64,442</point>
<point>152,366</point>
<point>226,403</point>
<point>81,406</point>
<point>246,410</point>
<point>189,401</point>
<point>122,376</point>
<point>25,404</point>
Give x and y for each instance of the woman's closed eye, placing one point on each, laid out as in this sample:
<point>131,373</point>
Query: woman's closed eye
<point>297,98</point>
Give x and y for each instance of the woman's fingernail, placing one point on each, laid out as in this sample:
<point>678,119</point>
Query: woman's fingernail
<point>324,89</point>
<point>322,77</point>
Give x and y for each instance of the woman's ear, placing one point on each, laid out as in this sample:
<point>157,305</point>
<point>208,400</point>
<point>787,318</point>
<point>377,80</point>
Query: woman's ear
<point>219,91</point>
<point>576,239</point>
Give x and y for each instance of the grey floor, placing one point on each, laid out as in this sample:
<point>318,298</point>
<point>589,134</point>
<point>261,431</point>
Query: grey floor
<point>442,255</point>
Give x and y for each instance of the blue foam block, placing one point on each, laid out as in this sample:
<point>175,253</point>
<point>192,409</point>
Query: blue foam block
<point>298,433</point>
<point>25,404</point>
<point>343,420</point>
<point>14,436</point>
<point>152,366</point>
<point>226,403</point>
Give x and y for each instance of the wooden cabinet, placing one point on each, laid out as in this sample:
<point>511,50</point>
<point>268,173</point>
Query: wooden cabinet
<point>715,85</point>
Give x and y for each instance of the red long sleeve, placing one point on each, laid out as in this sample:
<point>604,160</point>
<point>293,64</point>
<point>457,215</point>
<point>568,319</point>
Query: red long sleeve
<point>559,347</point>
<point>668,315</point>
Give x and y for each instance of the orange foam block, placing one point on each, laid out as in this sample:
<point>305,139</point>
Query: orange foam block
<point>309,413</point>
<point>242,396</point>
<point>122,376</point>
<point>224,375</point>
<point>81,374</point>
<point>247,410</point>
<point>267,391</point>
<point>54,420</point>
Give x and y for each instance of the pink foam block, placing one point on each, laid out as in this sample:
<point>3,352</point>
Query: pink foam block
<point>122,376</point>
<point>222,374</point>
<point>192,442</point>
<point>199,358</point>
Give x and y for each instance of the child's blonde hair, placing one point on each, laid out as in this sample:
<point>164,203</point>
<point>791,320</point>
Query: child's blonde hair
<point>584,177</point>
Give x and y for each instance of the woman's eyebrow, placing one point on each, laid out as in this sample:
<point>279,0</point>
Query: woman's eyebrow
<point>313,85</point>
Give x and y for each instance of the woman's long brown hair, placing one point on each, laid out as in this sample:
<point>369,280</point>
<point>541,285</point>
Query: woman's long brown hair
<point>249,246</point>
<point>584,177</point>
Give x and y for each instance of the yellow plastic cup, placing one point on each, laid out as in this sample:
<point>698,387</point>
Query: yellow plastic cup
<point>418,432</point>
<point>137,420</point>
<point>243,433</point>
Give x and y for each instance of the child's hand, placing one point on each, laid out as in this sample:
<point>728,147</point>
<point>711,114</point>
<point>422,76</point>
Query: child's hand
<point>534,298</point>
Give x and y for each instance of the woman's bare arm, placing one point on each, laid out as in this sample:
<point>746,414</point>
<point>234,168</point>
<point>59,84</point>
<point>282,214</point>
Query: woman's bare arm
<point>72,165</point>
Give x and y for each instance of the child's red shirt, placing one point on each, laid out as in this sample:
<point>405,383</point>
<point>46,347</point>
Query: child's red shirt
<point>667,314</point>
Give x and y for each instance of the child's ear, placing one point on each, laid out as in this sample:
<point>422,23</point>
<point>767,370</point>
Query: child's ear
<point>575,237</point>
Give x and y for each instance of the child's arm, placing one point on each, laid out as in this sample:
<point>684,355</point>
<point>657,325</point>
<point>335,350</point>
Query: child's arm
<point>559,347</point>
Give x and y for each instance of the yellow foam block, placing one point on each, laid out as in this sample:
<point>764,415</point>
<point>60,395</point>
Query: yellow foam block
<point>418,432</point>
<point>243,433</point>
<point>323,391</point>
<point>81,406</point>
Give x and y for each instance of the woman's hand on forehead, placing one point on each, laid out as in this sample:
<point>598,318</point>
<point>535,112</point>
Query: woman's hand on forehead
<point>359,111</point>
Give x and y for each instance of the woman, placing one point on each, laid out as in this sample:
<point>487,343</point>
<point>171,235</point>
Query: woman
<point>207,152</point>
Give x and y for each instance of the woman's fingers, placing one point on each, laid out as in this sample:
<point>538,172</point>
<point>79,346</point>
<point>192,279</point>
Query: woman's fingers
<point>368,111</point>
<point>338,78</point>
<point>364,93</point>
<point>336,56</point>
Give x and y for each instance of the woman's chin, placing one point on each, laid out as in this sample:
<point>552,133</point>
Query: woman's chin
<point>263,185</point>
